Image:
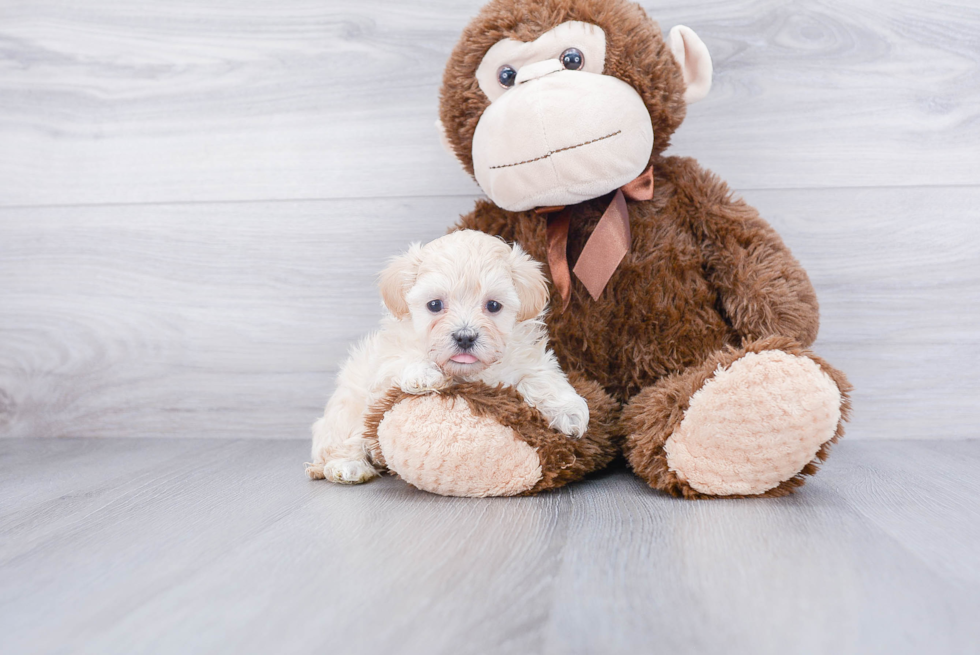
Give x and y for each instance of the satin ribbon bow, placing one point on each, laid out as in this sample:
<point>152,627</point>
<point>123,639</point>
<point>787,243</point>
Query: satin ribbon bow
<point>606,247</point>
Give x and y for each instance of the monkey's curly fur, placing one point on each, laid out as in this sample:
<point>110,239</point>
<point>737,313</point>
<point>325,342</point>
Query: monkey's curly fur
<point>706,280</point>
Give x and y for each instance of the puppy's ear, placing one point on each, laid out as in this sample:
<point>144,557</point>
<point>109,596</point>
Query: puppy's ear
<point>531,285</point>
<point>398,278</point>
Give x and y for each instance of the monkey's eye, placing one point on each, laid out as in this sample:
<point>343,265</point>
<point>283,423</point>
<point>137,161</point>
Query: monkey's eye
<point>493,306</point>
<point>572,59</point>
<point>434,306</point>
<point>506,75</point>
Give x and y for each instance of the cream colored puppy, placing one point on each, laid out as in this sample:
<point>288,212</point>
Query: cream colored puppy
<point>464,307</point>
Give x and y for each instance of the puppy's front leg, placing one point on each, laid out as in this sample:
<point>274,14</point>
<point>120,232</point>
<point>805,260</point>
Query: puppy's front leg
<point>549,391</point>
<point>421,376</point>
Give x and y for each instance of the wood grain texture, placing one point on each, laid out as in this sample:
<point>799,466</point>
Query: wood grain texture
<point>230,320</point>
<point>195,320</point>
<point>204,100</point>
<point>133,302</point>
<point>224,546</point>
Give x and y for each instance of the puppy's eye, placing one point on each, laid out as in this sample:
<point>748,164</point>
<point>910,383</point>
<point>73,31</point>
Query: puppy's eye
<point>434,306</point>
<point>573,59</point>
<point>493,306</point>
<point>506,76</point>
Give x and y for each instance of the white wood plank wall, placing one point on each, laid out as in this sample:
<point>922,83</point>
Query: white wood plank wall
<point>195,196</point>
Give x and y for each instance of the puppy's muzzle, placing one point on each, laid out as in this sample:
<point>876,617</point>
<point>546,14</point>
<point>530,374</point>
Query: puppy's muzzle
<point>465,339</point>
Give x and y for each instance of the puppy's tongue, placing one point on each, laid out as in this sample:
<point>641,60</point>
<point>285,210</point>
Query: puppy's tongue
<point>463,358</point>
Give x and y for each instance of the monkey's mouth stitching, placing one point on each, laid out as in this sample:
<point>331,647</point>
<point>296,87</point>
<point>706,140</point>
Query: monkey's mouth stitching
<point>555,152</point>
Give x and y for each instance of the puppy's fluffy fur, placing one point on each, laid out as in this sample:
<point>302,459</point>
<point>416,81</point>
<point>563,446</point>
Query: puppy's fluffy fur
<point>464,307</point>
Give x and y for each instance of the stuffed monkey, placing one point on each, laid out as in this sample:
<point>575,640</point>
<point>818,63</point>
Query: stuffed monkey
<point>678,312</point>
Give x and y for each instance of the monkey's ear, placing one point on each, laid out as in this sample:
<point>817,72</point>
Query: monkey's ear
<point>398,278</point>
<point>443,139</point>
<point>531,285</point>
<point>692,56</point>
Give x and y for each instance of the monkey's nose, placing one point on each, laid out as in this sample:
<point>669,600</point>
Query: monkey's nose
<point>465,338</point>
<point>538,69</point>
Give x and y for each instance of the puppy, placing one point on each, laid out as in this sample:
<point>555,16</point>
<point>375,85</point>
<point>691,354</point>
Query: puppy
<point>464,307</point>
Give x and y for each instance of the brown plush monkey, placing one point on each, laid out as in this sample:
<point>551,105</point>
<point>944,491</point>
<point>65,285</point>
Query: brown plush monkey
<point>684,320</point>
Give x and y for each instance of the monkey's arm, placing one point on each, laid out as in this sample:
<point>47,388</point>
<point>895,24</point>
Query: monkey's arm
<point>763,289</point>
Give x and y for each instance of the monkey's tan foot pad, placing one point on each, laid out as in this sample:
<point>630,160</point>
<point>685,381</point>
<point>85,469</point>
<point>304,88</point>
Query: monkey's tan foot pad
<point>474,440</point>
<point>754,424</point>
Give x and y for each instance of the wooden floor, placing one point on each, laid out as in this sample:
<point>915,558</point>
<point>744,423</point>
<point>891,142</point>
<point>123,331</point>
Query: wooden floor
<point>185,546</point>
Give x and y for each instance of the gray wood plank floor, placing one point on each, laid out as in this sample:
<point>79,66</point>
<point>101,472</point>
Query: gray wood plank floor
<point>166,545</point>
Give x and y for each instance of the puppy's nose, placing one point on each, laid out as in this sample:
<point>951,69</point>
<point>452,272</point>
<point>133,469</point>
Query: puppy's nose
<point>465,338</point>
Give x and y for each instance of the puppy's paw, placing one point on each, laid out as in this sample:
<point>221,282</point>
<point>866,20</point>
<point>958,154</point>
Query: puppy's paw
<point>571,417</point>
<point>422,377</point>
<point>314,470</point>
<point>343,471</point>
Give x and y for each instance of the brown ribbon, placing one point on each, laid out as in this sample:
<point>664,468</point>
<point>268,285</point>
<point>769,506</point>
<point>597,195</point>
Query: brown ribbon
<point>606,247</point>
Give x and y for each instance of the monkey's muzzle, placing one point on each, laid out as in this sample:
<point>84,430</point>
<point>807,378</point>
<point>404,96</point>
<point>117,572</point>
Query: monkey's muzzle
<point>561,139</point>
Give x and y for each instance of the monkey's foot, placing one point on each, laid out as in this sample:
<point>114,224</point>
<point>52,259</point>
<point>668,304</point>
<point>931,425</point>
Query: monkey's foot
<point>744,424</point>
<point>474,440</point>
